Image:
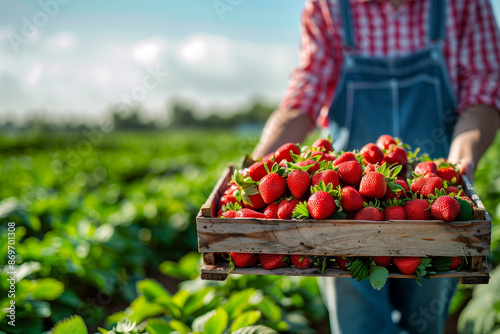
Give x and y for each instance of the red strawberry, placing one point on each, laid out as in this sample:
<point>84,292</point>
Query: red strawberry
<point>228,214</point>
<point>315,165</point>
<point>272,261</point>
<point>232,188</point>
<point>226,199</point>
<point>258,170</point>
<point>347,156</point>
<point>341,262</point>
<point>249,213</point>
<point>328,176</point>
<point>445,208</point>
<point>257,202</point>
<point>324,144</point>
<point>383,261</point>
<point>371,153</point>
<point>271,211</point>
<point>449,174</point>
<point>417,183</point>
<point>425,167</point>
<point>244,260</point>
<point>272,187</point>
<point>369,213</point>
<point>396,155</point>
<point>283,153</point>
<point>321,205</point>
<point>330,157</point>
<point>370,168</point>
<point>418,209</point>
<point>455,262</point>
<point>373,184</point>
<point>301,261</point>
<point>431,184</point>
<point>298,181</point>
<point>350,199</point>
<point>406,265</point>
<point>350,172</point>
<point>396,212</point>
<point>452,190</point>
<point>286,208</point>
<point>384,142</point>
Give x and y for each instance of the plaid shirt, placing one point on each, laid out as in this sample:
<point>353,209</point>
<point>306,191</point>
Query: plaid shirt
<point>471,49</point>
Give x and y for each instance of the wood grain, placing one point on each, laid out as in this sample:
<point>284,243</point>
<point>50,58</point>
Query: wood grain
<point>209,208</point>
<point>344,237</point>
<point>479,209</point>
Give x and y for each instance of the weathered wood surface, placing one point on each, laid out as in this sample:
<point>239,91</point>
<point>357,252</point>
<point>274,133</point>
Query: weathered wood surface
<point>479,209</point>
<point>223,269</point>
<point>209,209</point>
<point>344,237</point>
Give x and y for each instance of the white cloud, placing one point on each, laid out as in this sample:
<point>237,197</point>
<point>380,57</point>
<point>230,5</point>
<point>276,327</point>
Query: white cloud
<point>66,73</point>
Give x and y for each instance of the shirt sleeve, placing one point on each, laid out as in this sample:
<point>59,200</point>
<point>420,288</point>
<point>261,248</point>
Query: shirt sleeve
<point>312,82</point>
<point>479,57</point>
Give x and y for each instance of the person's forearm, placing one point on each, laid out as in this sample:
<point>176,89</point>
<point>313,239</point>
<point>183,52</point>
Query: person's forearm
<point>283,126</point>
<point>474,132</point>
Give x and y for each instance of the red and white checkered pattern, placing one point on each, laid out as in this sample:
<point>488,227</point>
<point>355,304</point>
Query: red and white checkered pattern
<point>471,49</point>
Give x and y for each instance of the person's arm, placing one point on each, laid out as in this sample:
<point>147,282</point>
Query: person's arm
<point>474,132</point>
<point>283,126</point>
<point>479,85</point>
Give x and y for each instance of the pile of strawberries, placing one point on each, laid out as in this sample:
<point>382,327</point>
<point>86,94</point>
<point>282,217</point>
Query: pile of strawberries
<point>372,184</point>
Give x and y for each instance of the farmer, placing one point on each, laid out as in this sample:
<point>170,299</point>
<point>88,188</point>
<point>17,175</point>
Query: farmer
<point>426,71</point>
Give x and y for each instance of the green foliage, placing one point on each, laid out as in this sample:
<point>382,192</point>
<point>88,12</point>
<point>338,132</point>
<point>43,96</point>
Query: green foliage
<point>73,325</point>
<point>239,304</point>
<point>97,212</point>
<point>482,313</point>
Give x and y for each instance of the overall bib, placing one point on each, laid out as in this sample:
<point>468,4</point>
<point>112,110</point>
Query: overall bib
<point>411,98</point>
<point>408,97</point>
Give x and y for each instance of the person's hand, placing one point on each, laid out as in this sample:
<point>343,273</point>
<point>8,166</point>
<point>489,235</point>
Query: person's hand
<point>467,168</point>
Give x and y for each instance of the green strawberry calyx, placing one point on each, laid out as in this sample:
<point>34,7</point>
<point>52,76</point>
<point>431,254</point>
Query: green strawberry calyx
<point>423,268</point>
<point>301,211</point>
<point>247,187</point>
<point>231,206</point>
<point>395,202</point>
<point>275,169</point>
<point>390,173</point>
<point>326,188</point>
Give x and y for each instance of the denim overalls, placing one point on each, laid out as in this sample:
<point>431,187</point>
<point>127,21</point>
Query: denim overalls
<point>409,97</point>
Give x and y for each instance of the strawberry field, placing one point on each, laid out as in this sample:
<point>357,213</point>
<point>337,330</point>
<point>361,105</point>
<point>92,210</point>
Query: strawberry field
<point>104,229</point>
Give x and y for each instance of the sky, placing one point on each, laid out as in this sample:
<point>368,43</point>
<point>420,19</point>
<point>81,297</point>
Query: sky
<point>74,59</point>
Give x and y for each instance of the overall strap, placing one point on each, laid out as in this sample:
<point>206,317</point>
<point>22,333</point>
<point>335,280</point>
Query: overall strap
<point>437,20</point>
<point>347,23</point>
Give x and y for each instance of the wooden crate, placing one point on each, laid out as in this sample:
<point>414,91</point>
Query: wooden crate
<point>341,238</point>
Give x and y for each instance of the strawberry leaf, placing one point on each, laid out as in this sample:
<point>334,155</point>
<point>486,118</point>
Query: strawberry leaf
<point>466,211</point>
<point>359,269</point>
<point>378,276</point>
<point>339,215</point>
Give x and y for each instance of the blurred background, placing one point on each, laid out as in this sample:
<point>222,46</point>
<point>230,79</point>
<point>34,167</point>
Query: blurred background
<point>116,120</point>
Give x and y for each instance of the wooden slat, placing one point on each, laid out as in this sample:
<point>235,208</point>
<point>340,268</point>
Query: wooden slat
<point>209,258</point>
<point>479,209</point>
<point>345,237</point>
<point>208,209</point>
<point>223,268</point>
